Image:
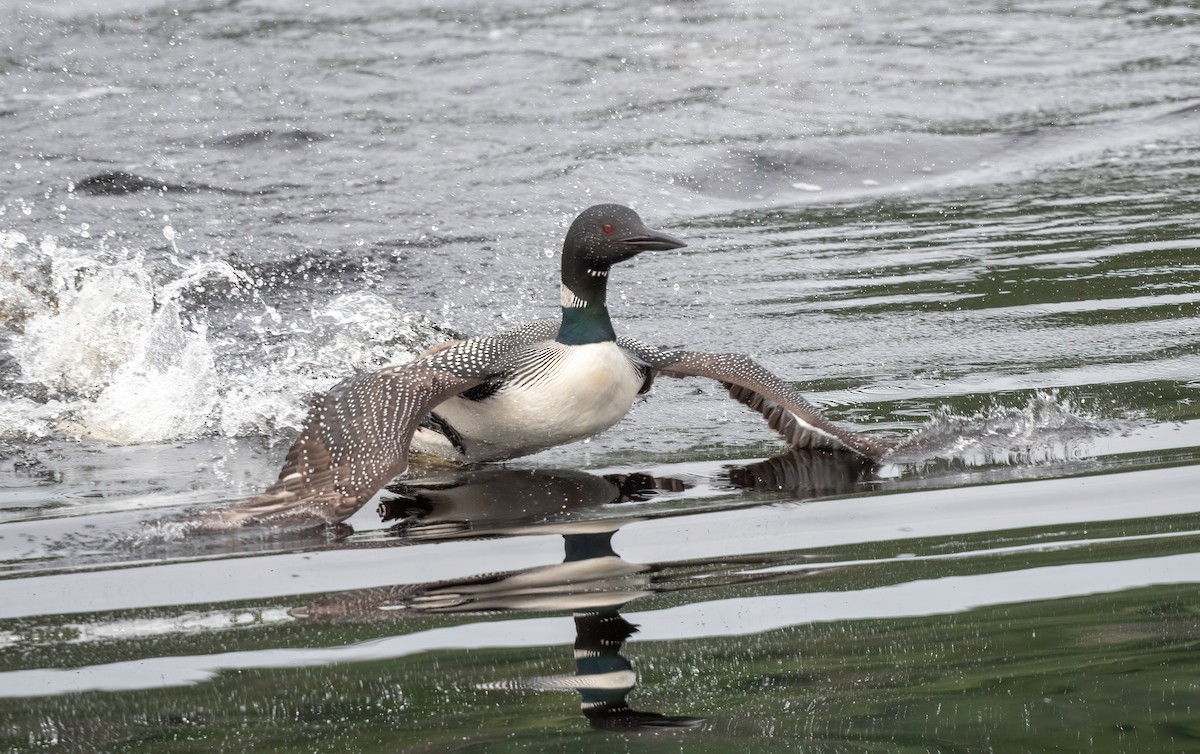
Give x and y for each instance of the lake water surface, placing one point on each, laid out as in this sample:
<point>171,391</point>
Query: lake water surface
<point>977,224</point>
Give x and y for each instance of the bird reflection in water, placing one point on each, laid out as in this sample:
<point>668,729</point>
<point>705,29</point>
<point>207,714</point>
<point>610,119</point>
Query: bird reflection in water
<point>593,582</point>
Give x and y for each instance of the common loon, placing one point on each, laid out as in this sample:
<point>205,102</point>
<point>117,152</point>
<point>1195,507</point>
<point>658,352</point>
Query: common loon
<point>524,390</point>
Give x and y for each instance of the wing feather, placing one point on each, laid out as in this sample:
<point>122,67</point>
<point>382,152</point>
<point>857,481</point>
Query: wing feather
<point>354,440</point>
<point>356,437</point>
<point>800,423</point>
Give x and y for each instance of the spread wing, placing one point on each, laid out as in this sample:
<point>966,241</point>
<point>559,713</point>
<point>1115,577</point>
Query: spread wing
<point>354,440</point>
<point>785,409</point>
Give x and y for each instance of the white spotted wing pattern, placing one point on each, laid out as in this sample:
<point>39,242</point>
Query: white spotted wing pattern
<point>357,436</point>
<point>788,412</point>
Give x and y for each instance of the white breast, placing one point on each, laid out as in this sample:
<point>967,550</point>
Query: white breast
<point>575,392</point>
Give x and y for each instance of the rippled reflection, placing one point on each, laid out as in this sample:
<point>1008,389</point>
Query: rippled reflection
<point>593,581</point>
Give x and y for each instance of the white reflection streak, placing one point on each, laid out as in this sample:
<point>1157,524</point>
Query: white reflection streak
<point>732,617</point>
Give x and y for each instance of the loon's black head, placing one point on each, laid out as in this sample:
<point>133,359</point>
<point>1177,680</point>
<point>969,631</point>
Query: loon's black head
<point>609,233</point>
<point>599,238</point>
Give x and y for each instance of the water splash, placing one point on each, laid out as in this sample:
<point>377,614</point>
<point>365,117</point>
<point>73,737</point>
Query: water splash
<point>1049,428</point>
<point>299,358</point>
<point>74,315</point>
<point>101,348</point>
<point>167,390</point>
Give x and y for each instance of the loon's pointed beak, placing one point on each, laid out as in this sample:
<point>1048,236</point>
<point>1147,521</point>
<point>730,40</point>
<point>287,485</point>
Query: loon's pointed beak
<point>652,240</point>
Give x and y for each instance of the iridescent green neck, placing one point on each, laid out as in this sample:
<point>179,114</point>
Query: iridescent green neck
<point>585,325</point>
<point>584,313</point>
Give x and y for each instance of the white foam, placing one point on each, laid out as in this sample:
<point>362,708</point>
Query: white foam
<point>167,390</point>
<point>76,333</point>
<point>97,333</point>
<point>103,349</point>
<point>1049,428</point>
<point>355,331</point>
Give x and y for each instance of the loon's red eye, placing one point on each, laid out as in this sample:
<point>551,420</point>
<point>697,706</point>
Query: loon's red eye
<point>607,230</point>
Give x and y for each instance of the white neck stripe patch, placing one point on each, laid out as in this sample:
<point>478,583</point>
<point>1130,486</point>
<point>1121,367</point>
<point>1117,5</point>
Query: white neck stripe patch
<point>568,299</point>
